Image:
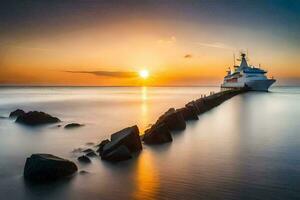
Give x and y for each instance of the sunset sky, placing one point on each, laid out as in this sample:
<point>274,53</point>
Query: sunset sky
<point>180,42</point>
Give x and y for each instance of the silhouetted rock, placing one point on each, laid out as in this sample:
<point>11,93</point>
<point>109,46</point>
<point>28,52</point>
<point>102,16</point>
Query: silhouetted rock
<point>88,150</point>
<point>188,112</point>
<point>84,159</point>
<point>101,145</point>
<point>129,137</point>
<point>47,167</point>
<point>157,134</point>
<point>173,119</point>
<point>72,125</point>
<point>91,154</point>
<point>193,105</point>
<point>121,153</point>
<point>83,172</point>
<point>16,113</point>
<point>34,118</point>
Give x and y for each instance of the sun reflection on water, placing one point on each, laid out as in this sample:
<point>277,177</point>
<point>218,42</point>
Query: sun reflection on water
<point>146,180</point>
<point>144,108</point>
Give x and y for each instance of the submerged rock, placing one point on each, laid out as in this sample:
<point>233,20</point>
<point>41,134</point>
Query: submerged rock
<point>84,159</point>
<point>128,137</point>
<point>173,120</point>
<point>72,125</point>
<point>121,153</point>
<point>88,150</point>
<point>157,134</point>
<point>47,167</point>
<point>16,113</point>
<point>91,154</point>
<point>34,118</point>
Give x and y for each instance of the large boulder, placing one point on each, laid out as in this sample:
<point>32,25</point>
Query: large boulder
<point>157,134</point>
<point>47,167</point>
<point>129,137</point>
<point>120,153</point>
<point>34,118</point>
<point>16,113</point>
<point>189,113</point>
<point>173,120</point>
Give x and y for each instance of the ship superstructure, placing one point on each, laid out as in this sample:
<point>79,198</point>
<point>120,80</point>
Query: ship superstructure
<point>252,77</point>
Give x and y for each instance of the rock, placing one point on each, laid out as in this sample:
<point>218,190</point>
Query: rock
<point>16,113</point>
<point>121,153</point>
<point>47,167</point>
<point>101,145</point>
<point>34,118</point>
<point>84,159</point>
<point>193,105</point>
<point>90,144</point>
<point>188,113</point>
<point>91,154</point>
<point>157,134</point>
<point>129,137</point>
<point>173,119</point>
<point>83,172</point>
<point>88,150</point>
<point>72,125</point>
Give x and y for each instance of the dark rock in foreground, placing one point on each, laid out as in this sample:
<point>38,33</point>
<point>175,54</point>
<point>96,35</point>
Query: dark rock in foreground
<point>173,119</point>
<point>72,125</point>
<point>157,134</point>
<point>84,159</point>
<point>16,113</point>
<point>128,137</point>
<point>34,118</point>
<point>121,153</point>
<point>47,167</point>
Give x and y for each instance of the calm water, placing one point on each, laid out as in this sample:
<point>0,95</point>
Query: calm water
<point>246,148</point>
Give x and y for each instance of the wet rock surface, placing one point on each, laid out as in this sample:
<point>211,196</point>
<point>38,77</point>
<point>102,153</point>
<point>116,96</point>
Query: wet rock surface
<point>157,134</point>
<point>16,113</point>
<point>47,167</point>
<point>121,153</point>
<point>34,118</point>
<point>73,125</point>
<point>173,120</point>
<point>128,137</point>
<point>83,159</point>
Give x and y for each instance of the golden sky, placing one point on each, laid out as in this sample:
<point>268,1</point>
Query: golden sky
<point>180,44</point>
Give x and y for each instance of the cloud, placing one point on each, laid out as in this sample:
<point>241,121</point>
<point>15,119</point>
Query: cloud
<point>216,45</point>
<point>188,56</point>
<point>116,74</point>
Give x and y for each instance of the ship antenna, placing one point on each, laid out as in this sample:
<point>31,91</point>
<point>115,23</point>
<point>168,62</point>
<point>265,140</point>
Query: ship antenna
<point>233,59</point>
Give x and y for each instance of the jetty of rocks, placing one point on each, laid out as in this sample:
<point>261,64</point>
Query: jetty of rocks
<point>124,144</point>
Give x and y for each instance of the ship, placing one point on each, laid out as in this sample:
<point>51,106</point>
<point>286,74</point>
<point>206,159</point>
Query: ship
<point>246,76</point>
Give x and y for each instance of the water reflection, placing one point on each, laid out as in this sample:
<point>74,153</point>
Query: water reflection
<point>146,179</point>
<point>144,108</point>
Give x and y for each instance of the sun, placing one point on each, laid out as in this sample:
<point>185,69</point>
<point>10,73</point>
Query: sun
<point>144,74</point>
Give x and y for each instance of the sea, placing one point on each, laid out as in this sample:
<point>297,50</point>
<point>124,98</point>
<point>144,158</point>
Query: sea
<point>246,148</point>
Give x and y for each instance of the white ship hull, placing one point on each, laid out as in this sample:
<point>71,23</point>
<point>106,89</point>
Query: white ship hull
<point>255,85</point>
